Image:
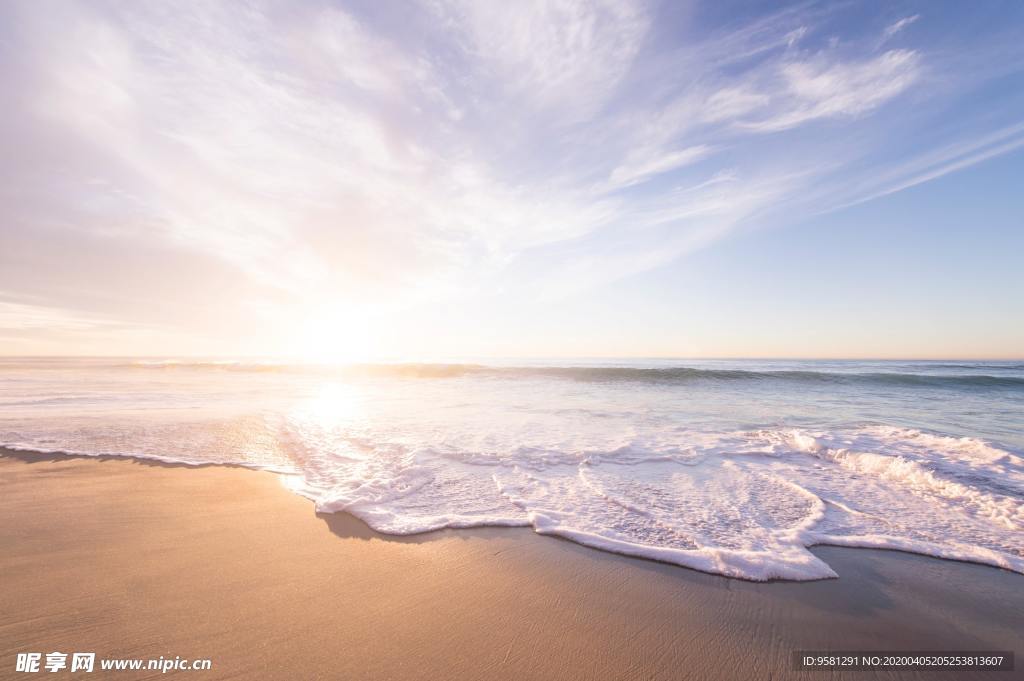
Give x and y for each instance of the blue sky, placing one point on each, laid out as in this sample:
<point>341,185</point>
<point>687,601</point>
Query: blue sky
<point>357,180</point>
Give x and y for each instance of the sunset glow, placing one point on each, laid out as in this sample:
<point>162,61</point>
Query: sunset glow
<point>511,339</point>
<point>336,182</point>
<point>334,335</point>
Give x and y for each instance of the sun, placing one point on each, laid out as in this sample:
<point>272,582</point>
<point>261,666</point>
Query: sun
<point>334,334</point>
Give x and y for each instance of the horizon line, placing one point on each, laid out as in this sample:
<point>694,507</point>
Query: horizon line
<point>449,360</point>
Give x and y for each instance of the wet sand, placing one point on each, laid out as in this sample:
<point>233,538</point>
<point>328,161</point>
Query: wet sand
<point>138,559</point>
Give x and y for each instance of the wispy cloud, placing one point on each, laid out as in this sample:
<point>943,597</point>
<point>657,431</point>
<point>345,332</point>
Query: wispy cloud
<point>897,26</point>
<point>935,164</point>
<point>22,317</point>
<point>562,59</point>
<point>644,165</point>
<point>290,155</point>
<point>820,88</point>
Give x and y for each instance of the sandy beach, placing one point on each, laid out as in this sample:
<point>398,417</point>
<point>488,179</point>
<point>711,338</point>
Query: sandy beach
<point>138,559</point>
<point>562,340</point>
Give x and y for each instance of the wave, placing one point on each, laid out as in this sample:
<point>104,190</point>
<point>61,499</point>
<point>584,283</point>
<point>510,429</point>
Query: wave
<point>937,374</point>
<point>612,374</point>
<point>685,374</point>
<point>191,462</point>
<point>745,504</point>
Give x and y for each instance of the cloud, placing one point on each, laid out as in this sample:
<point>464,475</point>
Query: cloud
<point>731,103</point>
<point>935,164</point>
<point>895,27</point>
<point>271,157</point>
<point>21,317</point>
<point>643,166</point>
<point>820,88</point>
<point>794,36</point>
<point>564,59</point>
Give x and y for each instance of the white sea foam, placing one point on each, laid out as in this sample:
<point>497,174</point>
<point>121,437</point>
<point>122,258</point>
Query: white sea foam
<point>709,474</point>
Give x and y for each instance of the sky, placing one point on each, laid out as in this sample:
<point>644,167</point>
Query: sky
<point>348,181</point>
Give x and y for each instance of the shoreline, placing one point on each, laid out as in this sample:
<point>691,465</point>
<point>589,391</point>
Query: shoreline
<point>30,455</point>
<point>138,558</point>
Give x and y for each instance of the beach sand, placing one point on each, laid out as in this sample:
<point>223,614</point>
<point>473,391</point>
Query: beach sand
<point>137,559</point>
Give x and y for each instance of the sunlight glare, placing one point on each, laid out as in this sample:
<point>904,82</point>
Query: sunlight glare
<point>333,335</point>
<point>333,404</point>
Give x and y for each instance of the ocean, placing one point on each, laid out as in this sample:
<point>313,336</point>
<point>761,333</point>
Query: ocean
<point>734,467</point>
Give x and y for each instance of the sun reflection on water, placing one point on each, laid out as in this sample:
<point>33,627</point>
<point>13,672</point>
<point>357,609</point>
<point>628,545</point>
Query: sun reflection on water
<point>333,405</point>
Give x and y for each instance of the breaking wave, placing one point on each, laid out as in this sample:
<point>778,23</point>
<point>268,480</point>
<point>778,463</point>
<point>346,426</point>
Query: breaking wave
<point>668,374</point>
<point>732,470</point>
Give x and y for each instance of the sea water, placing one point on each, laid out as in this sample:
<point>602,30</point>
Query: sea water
<point>731,467</point>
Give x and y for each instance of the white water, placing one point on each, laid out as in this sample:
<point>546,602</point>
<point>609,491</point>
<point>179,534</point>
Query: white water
<point>733,468</point>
